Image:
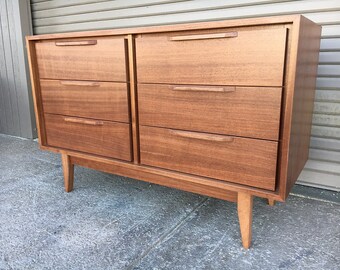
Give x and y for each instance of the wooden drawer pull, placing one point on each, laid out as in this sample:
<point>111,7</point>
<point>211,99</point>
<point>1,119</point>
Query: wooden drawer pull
<point>80,83</point>
<point>204,88</point>
<point>83,121</point>
<point>76,43</point>
<point>204,36</point>
<point>201,136</point>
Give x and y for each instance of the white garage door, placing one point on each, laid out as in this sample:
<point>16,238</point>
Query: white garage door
<point>323,167</point>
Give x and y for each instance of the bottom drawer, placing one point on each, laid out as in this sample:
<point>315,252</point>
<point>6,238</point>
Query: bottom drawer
<point>245,161</point>
<point>102,138</point>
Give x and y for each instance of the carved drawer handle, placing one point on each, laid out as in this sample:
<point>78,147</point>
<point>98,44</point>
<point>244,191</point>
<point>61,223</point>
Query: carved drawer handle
<point>83,121</point>
<point>80,83</point>
<point>76,43</point>
<point>204,36</point>
<point>201,136</point>
<point>227,89</point>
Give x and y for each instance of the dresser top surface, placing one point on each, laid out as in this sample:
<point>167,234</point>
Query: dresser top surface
<point>173,27</point>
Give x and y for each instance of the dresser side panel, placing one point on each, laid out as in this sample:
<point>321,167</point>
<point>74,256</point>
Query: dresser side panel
<point>36,91</point>
<point>303,99</point>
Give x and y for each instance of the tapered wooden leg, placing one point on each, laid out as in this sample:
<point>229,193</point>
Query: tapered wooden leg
<point>271,202</point>
<point>245,213</point>
<point>68,169</point>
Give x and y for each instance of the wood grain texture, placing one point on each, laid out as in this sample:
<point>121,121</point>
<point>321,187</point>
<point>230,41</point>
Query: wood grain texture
<point>110,139</point>
<point>98,100</point>
<point>36,91</point>
<point>297,105</point>
<point>160,177</point>
<point>244,111</point>
<point>104,61</point>
<point>246,161</point>
<point>303,104</point>
<point>68,170</point>
<point>254,57</point>
<point>270,20</point>
<point>245,216</point>
<point>133,98</point>
<point>156,175</point>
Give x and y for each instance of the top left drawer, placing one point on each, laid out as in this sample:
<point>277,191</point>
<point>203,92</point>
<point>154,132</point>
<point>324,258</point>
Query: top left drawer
<point>99,59</point>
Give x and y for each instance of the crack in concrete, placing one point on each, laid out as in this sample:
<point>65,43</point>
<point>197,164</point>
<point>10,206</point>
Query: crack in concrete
<point>165,235</point>
<point>314,198</point>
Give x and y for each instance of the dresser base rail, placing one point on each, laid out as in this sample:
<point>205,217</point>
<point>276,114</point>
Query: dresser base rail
<point>244,200</point>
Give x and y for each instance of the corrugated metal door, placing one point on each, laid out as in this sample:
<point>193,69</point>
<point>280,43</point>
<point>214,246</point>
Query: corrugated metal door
<point>323,168</point>
<point>16,108</point>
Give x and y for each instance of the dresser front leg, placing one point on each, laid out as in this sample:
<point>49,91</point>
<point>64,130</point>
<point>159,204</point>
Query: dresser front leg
<point>245,212</point>
<point>68,169</point>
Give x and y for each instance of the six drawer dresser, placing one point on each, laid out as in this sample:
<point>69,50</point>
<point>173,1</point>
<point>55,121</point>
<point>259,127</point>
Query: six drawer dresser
<point>222,109</point>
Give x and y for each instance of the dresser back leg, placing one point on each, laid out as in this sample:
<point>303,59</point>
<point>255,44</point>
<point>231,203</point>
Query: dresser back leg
<point>245,212</point>
<point>68,169</point>
<point>271,202</point>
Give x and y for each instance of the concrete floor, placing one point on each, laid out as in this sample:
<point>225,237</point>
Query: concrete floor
<point>111,222</point>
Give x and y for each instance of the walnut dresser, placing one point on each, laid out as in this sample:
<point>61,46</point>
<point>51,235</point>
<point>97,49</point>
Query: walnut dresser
<point>222,109</point>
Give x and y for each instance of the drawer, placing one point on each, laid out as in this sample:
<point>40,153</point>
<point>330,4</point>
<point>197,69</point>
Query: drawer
<point>100,59</point>
<point>240,160</point>
<point>97,137</point>
<point>241,111</point>
<point>243,57</point>
<point>98,100</point>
